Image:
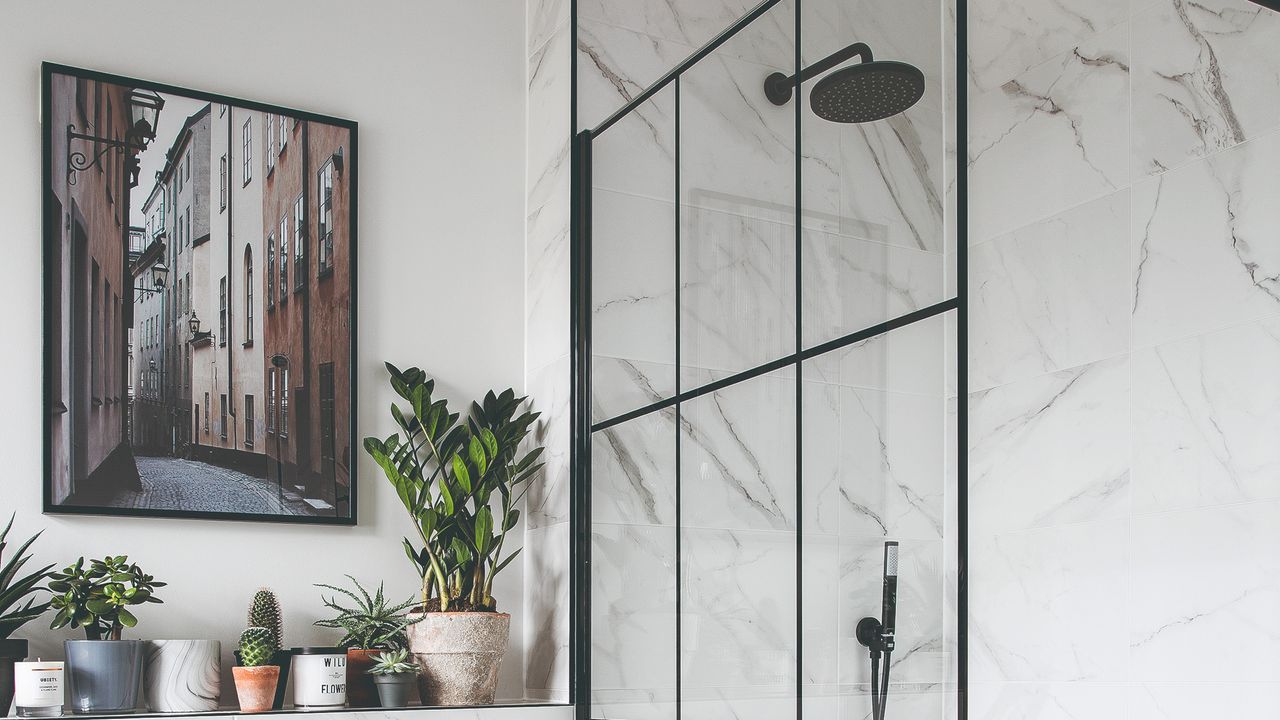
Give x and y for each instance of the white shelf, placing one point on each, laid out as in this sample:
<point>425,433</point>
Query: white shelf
<point>493,712</point>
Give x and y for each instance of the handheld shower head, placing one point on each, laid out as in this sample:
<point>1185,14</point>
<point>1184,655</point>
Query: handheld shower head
<point>889,594</point>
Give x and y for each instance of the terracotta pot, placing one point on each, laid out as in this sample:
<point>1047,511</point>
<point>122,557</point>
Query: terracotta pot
<point>459,653</point>
<point>361,692</point>
<point>256,686</point>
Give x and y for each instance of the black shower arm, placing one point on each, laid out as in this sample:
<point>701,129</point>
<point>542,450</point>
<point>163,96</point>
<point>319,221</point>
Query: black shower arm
<point>778,86</point>
<point>858,49</point>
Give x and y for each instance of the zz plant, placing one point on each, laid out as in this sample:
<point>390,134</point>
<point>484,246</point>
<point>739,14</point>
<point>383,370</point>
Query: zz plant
<point>97,596</point>
<point>461,481</point>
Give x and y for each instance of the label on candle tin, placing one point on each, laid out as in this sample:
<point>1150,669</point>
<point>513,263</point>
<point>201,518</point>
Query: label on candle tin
<point>37,684</point>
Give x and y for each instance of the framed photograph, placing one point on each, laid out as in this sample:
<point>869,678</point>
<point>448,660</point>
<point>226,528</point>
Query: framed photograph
<point>199,304</point>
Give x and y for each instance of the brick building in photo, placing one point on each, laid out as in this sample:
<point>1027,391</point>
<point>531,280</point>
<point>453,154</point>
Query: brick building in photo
<point>307,316</point>
<point>89,291</point>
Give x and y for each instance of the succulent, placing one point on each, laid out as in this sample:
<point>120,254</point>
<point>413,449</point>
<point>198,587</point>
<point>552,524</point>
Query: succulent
<point>393,662</point>
<point>257,647</point>
<point>372,624</point>
<point>462,481</point>
<point>13,588</point>
<point>98,597</point>
<point>264,612</point>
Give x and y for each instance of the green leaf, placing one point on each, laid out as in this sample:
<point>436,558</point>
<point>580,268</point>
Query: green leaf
<point>512,518</point>
<point>476,452</point>
<point>463,477</point>
<point>126,618</point>
<point>484,529</point>
<point>490,442</point>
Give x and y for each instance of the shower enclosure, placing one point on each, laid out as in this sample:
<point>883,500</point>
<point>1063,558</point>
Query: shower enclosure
<point>768,389</point>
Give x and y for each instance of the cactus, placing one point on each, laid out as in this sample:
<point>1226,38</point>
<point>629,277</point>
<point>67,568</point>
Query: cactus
<point>264,612</point>
<point>257,646</point>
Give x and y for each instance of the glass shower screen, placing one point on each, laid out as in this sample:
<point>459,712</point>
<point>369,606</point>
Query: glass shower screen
<point>766,388</point>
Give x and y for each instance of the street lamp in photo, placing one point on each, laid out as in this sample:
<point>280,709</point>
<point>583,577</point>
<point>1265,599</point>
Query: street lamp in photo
<point>279,360</point>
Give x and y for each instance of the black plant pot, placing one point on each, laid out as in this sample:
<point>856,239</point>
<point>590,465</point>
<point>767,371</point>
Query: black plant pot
<point>103,675</point>
<point>282,659</point>
<point>11,651</point>
<point>395,690</point>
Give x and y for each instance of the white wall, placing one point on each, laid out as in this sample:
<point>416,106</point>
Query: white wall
<point>1125,397</point>
<point>438,90</point>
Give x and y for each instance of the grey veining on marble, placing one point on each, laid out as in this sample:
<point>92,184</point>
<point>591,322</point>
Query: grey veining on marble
<point>1205,256</point>
<point>1206,78</point>
<point>1049,604</point>
<point>1051,450</point>
<point>1176,611</point>
<point>547,498</point>
<point>1052,295</point>
<point>633,471</point>
<point>633,608</point>
<point>1017,35</point>
<point>738,456</point>
<point>1206,414</point>
<point>1071,115</point>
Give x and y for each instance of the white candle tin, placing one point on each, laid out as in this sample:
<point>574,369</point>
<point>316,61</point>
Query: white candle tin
<point>319,678</point>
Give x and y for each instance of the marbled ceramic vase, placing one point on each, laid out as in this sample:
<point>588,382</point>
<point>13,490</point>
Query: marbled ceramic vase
<point>183,675</point>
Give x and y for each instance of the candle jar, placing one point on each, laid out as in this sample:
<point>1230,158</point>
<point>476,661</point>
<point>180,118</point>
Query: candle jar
<point>319,678</point>
<point>38,688</point>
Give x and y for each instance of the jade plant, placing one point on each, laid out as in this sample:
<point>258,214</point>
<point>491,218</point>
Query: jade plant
<point>97,596</point>
<point>257,647</point>
<point>461,481</point>
<point>264,612</point>
<point>14,589</point>
<point>393,662</point>
<point>371,623</point>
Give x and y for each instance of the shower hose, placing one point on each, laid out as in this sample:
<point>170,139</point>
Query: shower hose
<point>879,695</point>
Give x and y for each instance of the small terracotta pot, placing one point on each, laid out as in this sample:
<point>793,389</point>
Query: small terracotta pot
<point>459,653</point>
<point>361,692</point>
<point>256,686</point>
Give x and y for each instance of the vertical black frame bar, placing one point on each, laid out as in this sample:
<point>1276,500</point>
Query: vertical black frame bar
<point>962,357</point>
<point>580,426</point>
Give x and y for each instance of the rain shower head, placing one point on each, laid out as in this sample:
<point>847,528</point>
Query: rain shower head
<point>869,91</point>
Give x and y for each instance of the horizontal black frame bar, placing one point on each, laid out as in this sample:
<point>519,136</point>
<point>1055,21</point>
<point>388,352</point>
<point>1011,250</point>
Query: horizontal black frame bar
<point>688,62</point>
<point>773,365</point>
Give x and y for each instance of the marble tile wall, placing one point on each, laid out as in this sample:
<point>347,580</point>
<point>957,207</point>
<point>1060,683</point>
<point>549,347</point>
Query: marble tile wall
<point>1125,330</point>
<point>547,378</point>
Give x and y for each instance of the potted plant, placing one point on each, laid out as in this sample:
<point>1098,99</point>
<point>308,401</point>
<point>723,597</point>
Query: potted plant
<point>371,625</point>
<point>13,590</point>
<point>256,677</point>
<point>395,675</point>
<point>461,483</point>
<point>103,671</point>
<point>264,612</point>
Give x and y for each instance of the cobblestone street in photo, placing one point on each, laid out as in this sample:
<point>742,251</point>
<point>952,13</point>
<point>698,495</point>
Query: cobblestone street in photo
<point>177,484</point>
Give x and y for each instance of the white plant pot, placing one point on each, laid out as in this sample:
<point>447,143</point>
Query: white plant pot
<point>183,675</point>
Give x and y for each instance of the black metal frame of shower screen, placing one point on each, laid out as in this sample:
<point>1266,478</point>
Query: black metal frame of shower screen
<point>581,423</point>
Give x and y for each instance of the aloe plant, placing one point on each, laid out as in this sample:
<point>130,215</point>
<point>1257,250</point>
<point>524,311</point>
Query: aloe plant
<point>372,624</point>
<point>14,588</point>
<point>461,483</point>
<point>97,597</point>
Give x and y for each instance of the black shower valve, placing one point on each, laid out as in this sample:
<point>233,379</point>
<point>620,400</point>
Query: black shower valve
<point>870,632</point>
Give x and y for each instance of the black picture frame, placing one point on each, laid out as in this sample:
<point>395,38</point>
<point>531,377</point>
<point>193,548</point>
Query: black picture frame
<point>56,219</point>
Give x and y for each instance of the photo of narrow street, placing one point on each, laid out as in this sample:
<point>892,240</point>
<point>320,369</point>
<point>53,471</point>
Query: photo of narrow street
<point>203,305</point>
